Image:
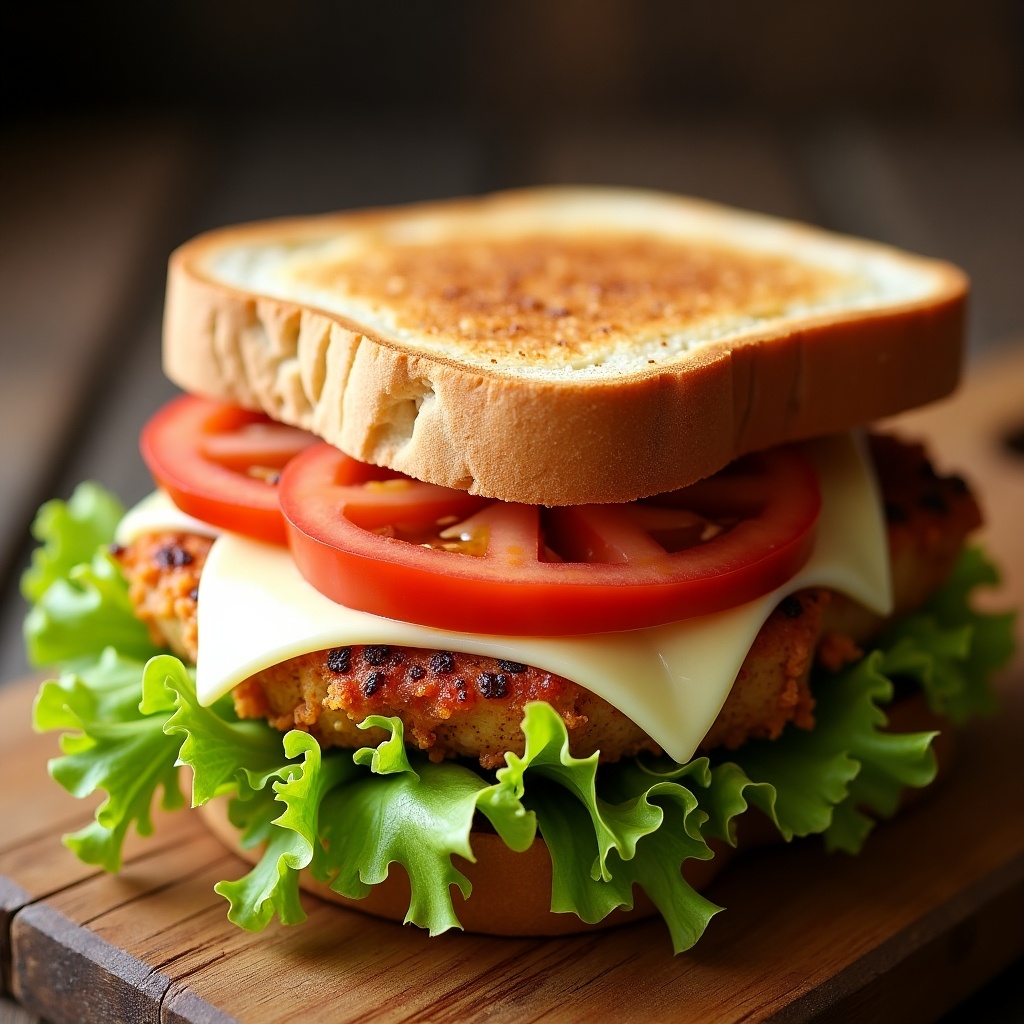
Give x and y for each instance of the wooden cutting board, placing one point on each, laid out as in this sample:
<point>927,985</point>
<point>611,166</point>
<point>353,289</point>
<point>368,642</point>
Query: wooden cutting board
<point>931,909</point>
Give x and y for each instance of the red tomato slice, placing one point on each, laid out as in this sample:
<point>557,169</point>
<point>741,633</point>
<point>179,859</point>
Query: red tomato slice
<point>221,463</point>
<point>383,543</point>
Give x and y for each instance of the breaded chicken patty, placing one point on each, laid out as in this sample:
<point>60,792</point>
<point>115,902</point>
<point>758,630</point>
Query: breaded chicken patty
<point>454,704</point>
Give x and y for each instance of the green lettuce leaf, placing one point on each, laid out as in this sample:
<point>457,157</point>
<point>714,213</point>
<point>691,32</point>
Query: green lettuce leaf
<point>821,778</point>
<point>79,598</point>
<point>655,823</point>
<point>253,814</point>
<point>728,796</point>
<point>69,534</point>
<point>952,650</point>
<point>615,826</point>
<point>637,829</point>
<point>103,689</point>
<point>272,887</point>
<point>417,816</point>
<point>890,762</point>
<point>79,615</point>
<point>224,753</point>
<point>109,744</point>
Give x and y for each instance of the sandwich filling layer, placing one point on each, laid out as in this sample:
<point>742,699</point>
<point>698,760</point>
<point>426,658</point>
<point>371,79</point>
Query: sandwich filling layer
<point>255,611</point>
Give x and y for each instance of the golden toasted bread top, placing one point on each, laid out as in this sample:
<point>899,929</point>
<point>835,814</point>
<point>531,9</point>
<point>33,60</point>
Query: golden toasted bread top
<point>559,300</point>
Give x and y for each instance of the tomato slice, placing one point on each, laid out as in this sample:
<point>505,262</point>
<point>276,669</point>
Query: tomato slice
<point>221,463</point>
<point>382,543</point>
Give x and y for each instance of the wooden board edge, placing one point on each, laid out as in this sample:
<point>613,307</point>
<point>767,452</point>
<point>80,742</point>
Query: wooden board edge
<point>183,1006</point>
<point>64,972</point>
<point>930,966</point>
<point>12,899</point>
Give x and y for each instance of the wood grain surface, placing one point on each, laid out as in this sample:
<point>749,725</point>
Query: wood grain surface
<point>928,912</point>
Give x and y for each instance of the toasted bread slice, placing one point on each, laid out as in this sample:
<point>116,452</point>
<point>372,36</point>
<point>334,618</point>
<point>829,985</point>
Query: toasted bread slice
<point>560,346</point>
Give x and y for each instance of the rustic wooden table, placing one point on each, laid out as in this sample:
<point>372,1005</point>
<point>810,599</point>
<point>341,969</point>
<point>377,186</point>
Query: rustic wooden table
<point>89,212</point>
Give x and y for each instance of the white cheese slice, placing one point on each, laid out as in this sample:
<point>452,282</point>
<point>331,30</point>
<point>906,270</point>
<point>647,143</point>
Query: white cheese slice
<point>156,513</point>
<point>255,610</point>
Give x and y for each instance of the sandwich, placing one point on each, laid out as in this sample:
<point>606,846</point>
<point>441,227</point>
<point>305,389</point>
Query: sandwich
<point>515,560</point>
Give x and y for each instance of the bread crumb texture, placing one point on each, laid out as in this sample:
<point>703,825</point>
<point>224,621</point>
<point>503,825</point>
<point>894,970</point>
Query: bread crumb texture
<point>570,302</point>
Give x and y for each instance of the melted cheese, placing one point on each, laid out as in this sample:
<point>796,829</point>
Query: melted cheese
<point>156,513</point>
<point>255,610</point>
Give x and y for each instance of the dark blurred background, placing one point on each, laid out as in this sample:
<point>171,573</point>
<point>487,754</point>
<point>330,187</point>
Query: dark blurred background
<point>527,63</point>
<point>127,127</point>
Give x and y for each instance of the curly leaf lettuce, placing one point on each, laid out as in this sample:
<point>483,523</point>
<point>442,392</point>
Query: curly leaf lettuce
<point>952,650</point>
<point>130,717</point>
<point>654,825</point>
<point>272,887</point>
<point>418,816</point>
<point>79,598</point>
<point>69,534</point>
<point>848,764</point>
<point>226,755</point>
<point>109,743</point>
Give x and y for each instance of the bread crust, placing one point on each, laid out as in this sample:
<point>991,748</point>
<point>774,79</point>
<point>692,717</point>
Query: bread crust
<point>564,438</point>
